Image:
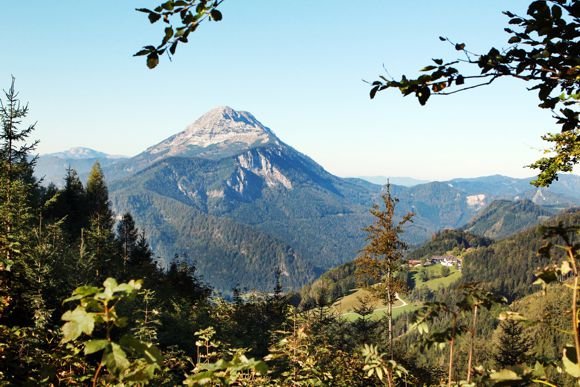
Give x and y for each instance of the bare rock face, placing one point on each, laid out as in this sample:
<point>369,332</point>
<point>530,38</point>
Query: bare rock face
<point>221,131</point>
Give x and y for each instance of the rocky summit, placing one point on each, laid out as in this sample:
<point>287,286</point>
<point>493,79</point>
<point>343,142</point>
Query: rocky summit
<point>220,132</point>
<point>231,197</point>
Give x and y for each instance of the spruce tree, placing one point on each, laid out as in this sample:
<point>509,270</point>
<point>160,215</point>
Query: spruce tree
<point>16,179</point>
<point>98,203</point>
<point>99,235</point>
<point>513,345</point>
<point>17,187</point>
<point>127,235</point>
<point>140,263</point>
<point>69,204</point>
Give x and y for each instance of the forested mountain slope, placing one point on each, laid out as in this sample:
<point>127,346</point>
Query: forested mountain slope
<point>503,218</point>
<point>508,266</point>
<point>229,167</point>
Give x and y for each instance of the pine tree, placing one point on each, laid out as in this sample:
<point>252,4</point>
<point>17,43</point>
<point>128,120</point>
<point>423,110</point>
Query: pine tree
<point>513,345</point>
<point>381,258</point>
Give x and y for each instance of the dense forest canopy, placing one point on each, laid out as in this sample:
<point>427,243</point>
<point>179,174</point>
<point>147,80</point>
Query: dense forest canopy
<point>83,300</point>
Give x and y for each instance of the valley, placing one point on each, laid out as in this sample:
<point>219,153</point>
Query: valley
<point>286,194</point>
<point>227,174</point>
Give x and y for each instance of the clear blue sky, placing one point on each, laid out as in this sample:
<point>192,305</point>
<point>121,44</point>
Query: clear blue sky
<point>297,65</point>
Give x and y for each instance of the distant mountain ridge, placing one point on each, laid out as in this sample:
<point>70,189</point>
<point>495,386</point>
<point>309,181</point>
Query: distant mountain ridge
<point>51,167</point>
<point>396,180</point>
<point>80,153</point>
<point>503,218</point>
<point>565,191</point>
<point>240,203</point>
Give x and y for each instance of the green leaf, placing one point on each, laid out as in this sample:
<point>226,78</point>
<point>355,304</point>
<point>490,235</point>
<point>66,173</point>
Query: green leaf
<point>110,283</point>
<point>82,292</point>
<point>505,375</point>
<point>428,68</point>
<point>116,359</point>
<point>565,268</point>
<point>145,350</point>
<point>261,367</point>
<point>571,365</point>
<point>513,316</point>
<point>438,61</point>
<point>199,379</point>
<point>93,346</point>
<point>78,322</point>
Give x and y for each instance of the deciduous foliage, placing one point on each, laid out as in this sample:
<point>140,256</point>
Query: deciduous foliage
<point>127,360</point>
<point>543,51</point>
<point>189,13</point>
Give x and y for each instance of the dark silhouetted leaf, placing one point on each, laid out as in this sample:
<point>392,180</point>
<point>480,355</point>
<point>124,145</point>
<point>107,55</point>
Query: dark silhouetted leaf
<point>216,15</point>
<point>423,95</point>
<point>173,47</point>
<point>142,52</point>
<point>152,60</point>
<point>153,17</point>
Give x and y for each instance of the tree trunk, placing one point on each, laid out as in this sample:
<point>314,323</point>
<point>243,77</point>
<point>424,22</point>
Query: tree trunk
<point>451,343</point>
<point>471,343</point>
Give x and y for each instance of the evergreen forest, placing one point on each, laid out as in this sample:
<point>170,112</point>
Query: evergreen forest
<point>86,301</point>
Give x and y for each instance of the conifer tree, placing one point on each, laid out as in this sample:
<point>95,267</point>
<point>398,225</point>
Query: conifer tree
<point>127,235</point>
<point>16,189</point>
<point>140,261</point>
<point>381,258</point>
<point>69,204</point>
<point>99,236</point>
<point>513,345</point>
<point>98,203</point>
<point>15,175</point>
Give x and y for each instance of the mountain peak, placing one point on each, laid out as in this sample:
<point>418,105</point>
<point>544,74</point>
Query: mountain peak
<point>221,127</point>
<point>225,120</point>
